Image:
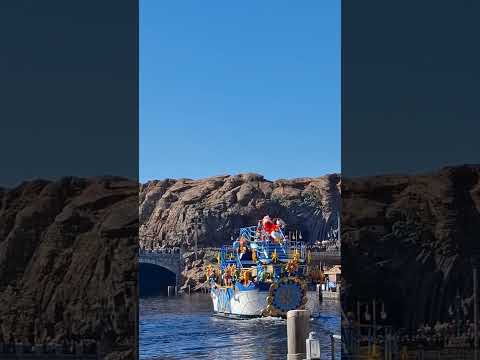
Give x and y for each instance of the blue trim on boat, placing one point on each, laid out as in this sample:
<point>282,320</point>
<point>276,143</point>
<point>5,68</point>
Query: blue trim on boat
<point>251,286</point>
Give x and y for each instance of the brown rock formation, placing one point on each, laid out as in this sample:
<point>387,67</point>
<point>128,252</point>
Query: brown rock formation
<point>176,212</point>
<point>410,240</point>
<point>68,262</point>
<point>169,209</point>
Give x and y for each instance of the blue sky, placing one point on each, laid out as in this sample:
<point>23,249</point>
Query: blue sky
<point>248,86</point>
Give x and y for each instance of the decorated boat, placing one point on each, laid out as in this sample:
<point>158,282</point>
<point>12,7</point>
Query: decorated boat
<point>263,273</point>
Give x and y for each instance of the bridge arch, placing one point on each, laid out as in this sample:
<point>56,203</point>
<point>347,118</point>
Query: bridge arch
<point>167,265</point>
<point>154,279</point>
<point>158,270</point>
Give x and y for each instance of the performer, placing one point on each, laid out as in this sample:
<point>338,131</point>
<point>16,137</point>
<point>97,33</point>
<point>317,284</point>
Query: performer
<point>242,245</point>
<point>268,224</point>
<point>277,230</point>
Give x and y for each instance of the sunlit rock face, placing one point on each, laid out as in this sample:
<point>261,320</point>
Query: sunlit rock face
<point>68,253</point>
<point>210,211</point>
<point>410,240</point>
<point>169,209</point>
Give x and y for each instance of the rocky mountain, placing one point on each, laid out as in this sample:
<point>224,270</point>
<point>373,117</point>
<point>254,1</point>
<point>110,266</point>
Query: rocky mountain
<point>210,211</point>
<point>68,262</point>
<point>410,241</point>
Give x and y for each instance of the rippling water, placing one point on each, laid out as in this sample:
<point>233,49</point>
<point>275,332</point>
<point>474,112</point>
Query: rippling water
<point>184,328</point>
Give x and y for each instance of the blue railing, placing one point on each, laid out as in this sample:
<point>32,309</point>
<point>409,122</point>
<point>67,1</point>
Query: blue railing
<point>285,249</point>
<point>265,248</point>
<point>249,233</point>
<point>228,256</point>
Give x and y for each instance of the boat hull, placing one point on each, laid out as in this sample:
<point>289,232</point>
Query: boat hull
<point>234,303</point>
<point>229,301</point>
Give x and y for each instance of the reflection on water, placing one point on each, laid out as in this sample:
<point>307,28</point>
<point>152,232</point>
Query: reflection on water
<point>184,328</point>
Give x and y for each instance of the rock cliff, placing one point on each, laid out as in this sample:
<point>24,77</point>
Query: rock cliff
<point>68,262</point>
<point>210,211</point>
<point>410,241</point>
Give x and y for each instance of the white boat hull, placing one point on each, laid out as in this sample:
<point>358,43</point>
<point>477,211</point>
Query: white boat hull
<point>242,303</point>
<point>233,303</point>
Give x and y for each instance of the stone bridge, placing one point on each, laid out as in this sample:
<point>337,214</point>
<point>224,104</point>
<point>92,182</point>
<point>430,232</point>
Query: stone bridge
<point>170,260</point>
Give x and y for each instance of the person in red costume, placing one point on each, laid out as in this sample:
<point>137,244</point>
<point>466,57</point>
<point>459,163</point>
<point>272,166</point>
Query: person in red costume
<point>268,225</point>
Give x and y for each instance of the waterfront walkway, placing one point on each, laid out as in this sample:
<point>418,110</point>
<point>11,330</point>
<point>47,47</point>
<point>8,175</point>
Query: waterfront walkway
<point>47,351</point>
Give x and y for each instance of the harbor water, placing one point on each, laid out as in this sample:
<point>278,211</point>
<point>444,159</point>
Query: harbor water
<point>184,328</point>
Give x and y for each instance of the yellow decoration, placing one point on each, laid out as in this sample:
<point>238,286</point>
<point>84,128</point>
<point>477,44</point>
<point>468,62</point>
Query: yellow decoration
<point>254,255</point>
<point>291,266</point>
<point>218,257</point>
<point>274,256</point>
<point>296,255</point>
<point>230,270</point>
<point>246,277</point>
<point>309,257</point>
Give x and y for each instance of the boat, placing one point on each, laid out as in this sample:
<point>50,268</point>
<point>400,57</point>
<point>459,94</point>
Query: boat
<point>263,273</point>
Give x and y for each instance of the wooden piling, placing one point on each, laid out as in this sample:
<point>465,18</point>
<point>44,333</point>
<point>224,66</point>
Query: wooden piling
<point>298,327</point>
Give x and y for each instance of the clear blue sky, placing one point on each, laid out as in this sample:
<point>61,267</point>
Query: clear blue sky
<point>239,86</point>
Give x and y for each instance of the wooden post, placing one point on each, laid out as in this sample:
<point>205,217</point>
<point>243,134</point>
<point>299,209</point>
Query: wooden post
<point>171,290</point>
<point>298,327</point>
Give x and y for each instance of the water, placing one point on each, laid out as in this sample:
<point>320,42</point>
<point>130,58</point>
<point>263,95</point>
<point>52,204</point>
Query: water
<point>184,328</point>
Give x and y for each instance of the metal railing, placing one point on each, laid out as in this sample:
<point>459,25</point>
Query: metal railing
<point>229,256</point>
<point>176,250</point>
<point>250,233</point>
